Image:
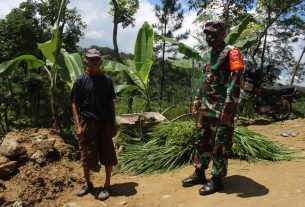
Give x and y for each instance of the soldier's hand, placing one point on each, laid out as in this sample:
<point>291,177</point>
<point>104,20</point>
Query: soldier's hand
<point>195,107</point>
<point>226,119</point>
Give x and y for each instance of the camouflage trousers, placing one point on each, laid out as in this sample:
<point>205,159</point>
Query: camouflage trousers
<point>214,142</point>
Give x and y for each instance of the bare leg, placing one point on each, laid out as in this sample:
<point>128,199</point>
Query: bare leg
<point>108,170</point>
<point>87,175</point>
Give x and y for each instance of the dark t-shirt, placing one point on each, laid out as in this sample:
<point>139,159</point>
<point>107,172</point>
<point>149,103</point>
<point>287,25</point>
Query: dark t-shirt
<point>93,95</point>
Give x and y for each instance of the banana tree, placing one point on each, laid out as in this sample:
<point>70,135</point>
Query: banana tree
<point>51,50</point>
<point>233,38</point>
<point>138,69</point>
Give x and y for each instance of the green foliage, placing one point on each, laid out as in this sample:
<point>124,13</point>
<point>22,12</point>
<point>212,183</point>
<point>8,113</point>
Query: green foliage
<point>298,108</point>
<point>162,152</point>
<point>169,146</point>
<point>71,63</point>
<point>235,36</point>
<point>138,69</point>
<point>125,10</point>
<point>31,61</point>
<point>252,146</point>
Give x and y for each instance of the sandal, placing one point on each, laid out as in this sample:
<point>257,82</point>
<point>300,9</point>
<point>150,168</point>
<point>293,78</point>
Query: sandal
<point>104,194</point>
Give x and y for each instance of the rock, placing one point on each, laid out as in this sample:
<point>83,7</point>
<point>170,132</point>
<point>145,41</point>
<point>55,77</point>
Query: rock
<point>123,203</point>
<point>39,157</point>
<point>143,120</point>
<point>18,204</point>
<point>11,148</point>
<point>71,205</point>
<point>3,160</point>
<point>7,169</point>
<point>40,137</point>
<point>45,146</point>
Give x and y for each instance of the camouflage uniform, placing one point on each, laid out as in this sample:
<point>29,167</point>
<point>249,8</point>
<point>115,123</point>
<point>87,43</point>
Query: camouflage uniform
<point>218,93</point>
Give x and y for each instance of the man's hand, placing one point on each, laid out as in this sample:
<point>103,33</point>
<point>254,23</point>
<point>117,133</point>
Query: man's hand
<point>226,119</point>
<point>79,132</point>
<point>114,130</point>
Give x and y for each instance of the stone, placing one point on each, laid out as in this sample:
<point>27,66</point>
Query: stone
<point>39,157</point>
<point>18,204</point>
<point>11,148</point>
<point>3,160</point>
<point>40,137</point>
<point>45,146</point>
<point>7,169</point>
<point>71,205</point>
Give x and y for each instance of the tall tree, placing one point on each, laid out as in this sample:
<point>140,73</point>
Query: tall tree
<point>170,19</point>
<point>278,14</point>
<point>123,12</point>
<point>229,11</point>
<point>73,23</point>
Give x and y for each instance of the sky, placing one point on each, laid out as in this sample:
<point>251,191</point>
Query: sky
<point>100,26</point>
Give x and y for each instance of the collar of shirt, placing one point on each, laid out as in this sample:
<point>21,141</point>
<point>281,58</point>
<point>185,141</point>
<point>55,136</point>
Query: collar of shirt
<point>94,72</point>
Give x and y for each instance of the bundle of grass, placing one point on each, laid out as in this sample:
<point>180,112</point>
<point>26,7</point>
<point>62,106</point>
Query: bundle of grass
<point>170,146</point>
<point>251,146</point>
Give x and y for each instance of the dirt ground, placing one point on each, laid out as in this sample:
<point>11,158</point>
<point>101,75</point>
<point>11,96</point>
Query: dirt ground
<point>261,184</point>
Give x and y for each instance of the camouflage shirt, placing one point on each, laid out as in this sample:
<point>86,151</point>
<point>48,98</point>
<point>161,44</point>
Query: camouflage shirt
<point>218,87</point>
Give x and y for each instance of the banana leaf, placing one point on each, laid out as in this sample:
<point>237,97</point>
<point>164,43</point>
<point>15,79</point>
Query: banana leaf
<point>182,63</point>
<point>71,63</point>
<point>50,48</point>
<point>32,62</point>
<point>143,52</point>
<point>233,36</point>
<point>112,66</point>
<point>247,43</point>
<point>183,48</point>
<point>123,89</point>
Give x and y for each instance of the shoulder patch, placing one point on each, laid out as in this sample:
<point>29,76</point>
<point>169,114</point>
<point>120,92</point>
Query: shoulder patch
<point>236,61</point>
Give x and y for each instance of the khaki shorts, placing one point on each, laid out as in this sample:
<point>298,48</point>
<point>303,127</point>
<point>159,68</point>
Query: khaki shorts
<point>97,145</point>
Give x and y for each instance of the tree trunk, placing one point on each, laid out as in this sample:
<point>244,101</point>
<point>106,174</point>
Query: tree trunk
<point>54,109</point>
<point>117,53</point>
<point>296,68</point>
<point>266,35</point>
<point>163,64</point>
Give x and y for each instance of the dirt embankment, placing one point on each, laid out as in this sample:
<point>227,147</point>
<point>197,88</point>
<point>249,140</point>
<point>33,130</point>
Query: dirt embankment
<point>53,182</point>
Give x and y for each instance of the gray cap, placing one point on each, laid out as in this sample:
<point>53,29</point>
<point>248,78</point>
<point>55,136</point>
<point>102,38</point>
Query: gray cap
<point>214,26</point>
<point>92,53</point>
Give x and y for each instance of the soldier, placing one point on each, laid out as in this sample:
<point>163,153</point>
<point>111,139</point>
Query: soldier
<point>215,106</point>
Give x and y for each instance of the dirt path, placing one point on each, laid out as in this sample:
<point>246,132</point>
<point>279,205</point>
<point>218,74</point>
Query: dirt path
<point>247,184</point>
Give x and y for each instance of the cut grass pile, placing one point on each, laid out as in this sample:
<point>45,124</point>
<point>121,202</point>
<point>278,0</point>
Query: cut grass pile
<point>169,146</point>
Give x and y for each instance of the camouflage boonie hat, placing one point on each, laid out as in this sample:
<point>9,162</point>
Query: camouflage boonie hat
<point>214,27</point>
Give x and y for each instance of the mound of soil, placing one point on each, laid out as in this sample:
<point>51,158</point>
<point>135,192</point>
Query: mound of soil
<point>40,181</point>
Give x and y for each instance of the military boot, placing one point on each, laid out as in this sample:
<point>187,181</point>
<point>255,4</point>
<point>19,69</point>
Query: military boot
<point>212,186</point>
<point>197,178</point>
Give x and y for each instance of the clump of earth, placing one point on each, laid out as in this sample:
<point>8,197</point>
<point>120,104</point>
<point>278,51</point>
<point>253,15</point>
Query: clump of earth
<point>36,165</point>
